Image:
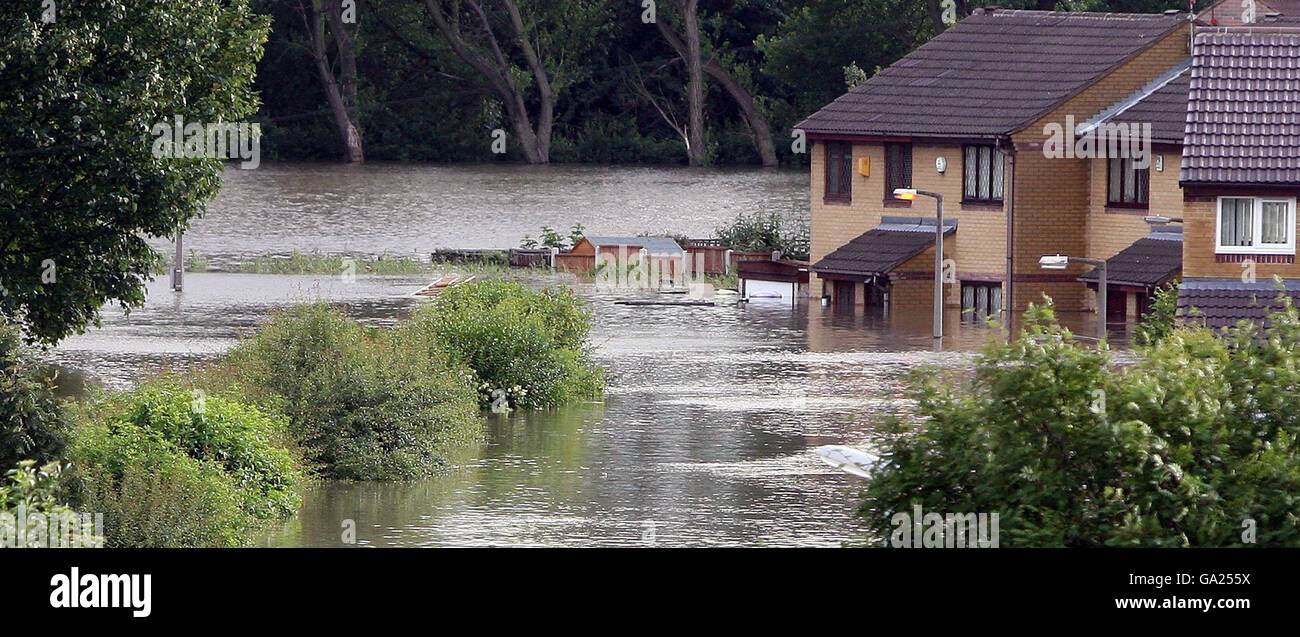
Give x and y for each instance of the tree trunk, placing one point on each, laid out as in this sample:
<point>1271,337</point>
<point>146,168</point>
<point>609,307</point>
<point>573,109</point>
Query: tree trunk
<point>349,137</point>
<point>696,151</point>
<point>757,122</point>
<point>534,143</point>
<point>754,118</point>
<point>345,44</point>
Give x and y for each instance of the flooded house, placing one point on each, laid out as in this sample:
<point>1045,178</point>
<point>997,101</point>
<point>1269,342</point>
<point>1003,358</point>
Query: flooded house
<point>1045,133</point>
<point>1241,172</point>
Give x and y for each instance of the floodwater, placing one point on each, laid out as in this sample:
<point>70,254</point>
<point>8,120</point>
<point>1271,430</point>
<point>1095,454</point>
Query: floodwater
<point>378,208</point>
<point>705,435</point>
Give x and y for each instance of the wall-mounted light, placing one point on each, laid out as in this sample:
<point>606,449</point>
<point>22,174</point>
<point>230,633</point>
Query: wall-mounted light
<point>940,164</point>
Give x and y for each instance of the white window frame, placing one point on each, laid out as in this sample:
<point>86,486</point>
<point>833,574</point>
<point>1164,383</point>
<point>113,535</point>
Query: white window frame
<point>1257,227</point>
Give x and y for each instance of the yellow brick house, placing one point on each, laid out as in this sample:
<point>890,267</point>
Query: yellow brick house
<point>986,114</point>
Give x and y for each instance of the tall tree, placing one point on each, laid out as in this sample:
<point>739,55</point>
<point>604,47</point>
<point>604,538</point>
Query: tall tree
<point>325,25</point>
<point>521,51</point>
<point>81,188</point>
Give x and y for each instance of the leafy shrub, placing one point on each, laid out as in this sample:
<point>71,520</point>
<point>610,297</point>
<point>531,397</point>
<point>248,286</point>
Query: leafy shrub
<point>30,489</point>
<point>1186,448</point>
<point>154,495</point>
<point>237,437</point>
<point>1161,319</point>
<point>362,406</point>
<point>525,346</point>
<point>33,424</point>
<point>770,232</point>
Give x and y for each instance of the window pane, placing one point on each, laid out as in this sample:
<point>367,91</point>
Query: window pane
<point>981,301</point>
<point>1130,181</point>
<point>1235,221</point>
<point>971,166</point>
<point>1274,220</point>
<point>985,171</point>
<point>905,166</point>
<point>995,299</point>
<point>998,160</point>
<point>846,171</point>
<point>967,297</point>
<point>1115,166</point>
<point>1143,184</point>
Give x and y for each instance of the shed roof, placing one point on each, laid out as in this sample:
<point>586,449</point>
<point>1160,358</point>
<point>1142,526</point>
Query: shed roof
<point>654,245</point>
<point>1150,261</point>
<point>1243,118</point>
<point>882,249</point>
<point>991,74</point>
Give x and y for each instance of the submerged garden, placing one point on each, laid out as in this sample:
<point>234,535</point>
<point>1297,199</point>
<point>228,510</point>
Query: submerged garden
<point>208,457</point>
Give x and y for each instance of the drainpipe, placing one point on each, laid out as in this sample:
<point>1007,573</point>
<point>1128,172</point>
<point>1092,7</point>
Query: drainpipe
<point>1008,297</point>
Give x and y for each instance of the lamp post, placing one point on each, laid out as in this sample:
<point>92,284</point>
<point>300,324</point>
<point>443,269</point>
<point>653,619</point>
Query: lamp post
<point>909,194</point>
<point>1060,262</point>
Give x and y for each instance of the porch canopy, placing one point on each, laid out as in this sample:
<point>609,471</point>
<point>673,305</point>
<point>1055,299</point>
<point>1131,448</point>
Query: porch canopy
<point>1148,263</point>
<point>882,249</point>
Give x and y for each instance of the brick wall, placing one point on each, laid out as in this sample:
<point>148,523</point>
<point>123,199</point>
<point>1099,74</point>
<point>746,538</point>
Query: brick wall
<point>982,255</point>
<point>1199,259</point>
<point>1053,198</point>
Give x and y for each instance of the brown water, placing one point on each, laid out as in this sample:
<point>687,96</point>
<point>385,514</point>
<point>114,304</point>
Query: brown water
<point>706,433</point>
<point>411,209</point>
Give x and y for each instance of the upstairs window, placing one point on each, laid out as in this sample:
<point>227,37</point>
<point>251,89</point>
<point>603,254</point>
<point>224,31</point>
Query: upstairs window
<point>898,168</point>
<point>1255,225</point>
<point>1127,186</point>
<point>982,173</point>
<point>839,171</point>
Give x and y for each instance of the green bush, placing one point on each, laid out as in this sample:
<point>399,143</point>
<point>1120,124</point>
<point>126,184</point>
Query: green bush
<point>1192,446</point>
<point>361,405</point>
<point>1161,319</point>
<point>770,232</point>
<point>526,347</point>
<point>33,423</point>
<point>29,489</point>
<point>154,495</point>
<point>238,437</point>
<point>172,467</point>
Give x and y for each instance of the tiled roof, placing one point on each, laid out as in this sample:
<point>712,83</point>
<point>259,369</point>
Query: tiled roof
<point>653,245</point>
<point>991,74</point>
<point>883,248</point>
<point>1161,103</point>
<point>1149,262</point>
<point>1243,115</point>
<point>1224,302</point>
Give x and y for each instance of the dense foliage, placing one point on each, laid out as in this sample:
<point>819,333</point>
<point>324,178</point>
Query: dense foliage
<point>767,232</point>
<point>153,494</point>
<point>1161,319</point>
<point>148,457</point>
<point>33,423</point>
<point>1192,446</point>
<point>80,188</point>
<point>619,88</point>
<point>527,348</point>
<point>362,405</point>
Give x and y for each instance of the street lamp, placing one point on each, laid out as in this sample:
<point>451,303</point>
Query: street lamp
<point>1060,262</point>
<point>909,194</point>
